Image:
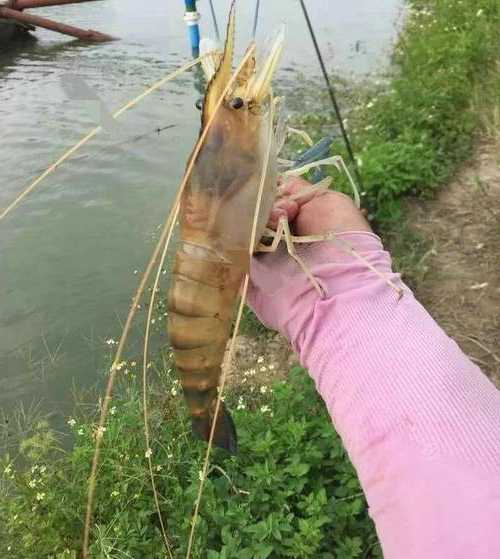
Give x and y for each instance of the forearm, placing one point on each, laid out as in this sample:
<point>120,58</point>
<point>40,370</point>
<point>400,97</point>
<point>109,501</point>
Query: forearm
<point>421,423</point>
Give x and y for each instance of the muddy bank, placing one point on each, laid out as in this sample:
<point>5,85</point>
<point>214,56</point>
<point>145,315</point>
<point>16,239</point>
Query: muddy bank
<point>461,285</point>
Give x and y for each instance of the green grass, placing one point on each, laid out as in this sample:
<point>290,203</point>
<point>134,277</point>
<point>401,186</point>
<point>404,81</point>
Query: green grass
<point>290,492</point>
<point>411,133</point>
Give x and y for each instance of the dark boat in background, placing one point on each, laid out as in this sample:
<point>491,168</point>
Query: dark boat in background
<point>15,23</point>
<point>11,31</point>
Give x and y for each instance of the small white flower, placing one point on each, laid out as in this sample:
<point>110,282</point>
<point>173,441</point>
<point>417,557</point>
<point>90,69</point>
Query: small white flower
<point>265,409</point>
<point>112,411</point>
<point>100,431</point>
<point>263,369</point>
<point>153,321</point>
<point>43,469</point>
<point>369,105</point>
<point>136,272</point>
<point>133,364</point>
<point>170,456</point>
<point>260,359</point>
<point>173,391</point>
<point>8,470</point>
<point>32,483</point>
<point>263,389</point>
<point>71,422</point>
<point>159,468</point>
<point>272,367</point>
<point>80,431</point>
<point>479,12</point>
<point>111,342</point>
<point>115,493</point>
<point>148,453</point>
<point>40,496</point>
<point>119,366</point>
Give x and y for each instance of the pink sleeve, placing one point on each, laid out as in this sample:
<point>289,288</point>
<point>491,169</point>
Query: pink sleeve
<point>419,420</point>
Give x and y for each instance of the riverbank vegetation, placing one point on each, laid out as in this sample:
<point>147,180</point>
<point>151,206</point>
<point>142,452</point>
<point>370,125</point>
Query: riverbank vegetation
<point>413,130</point>
<point>291,490</point>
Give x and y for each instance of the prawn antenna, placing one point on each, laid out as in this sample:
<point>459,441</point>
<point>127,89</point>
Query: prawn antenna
<point>331,92</point>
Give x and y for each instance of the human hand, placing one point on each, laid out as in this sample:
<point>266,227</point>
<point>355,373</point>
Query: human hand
<point>279,291</point>
<point>313,212</point>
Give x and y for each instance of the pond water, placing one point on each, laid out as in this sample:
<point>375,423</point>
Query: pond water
<point>72,253</point>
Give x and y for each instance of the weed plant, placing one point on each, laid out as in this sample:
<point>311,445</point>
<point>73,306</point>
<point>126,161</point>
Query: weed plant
<point>289,492</point>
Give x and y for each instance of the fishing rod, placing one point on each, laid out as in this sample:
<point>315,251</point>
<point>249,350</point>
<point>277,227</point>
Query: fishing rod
<point>333,99</point>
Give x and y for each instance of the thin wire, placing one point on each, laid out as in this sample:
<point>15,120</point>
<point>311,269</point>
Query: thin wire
<point>256,18</point>
<point>131,139</point>
<point>332,97</point>
<point>145,359</point>
<point>214,19</point>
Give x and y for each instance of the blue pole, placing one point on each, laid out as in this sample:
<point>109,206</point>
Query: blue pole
<point>191,17</point>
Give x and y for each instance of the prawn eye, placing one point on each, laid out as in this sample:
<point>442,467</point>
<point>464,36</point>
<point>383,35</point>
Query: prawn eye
<point>237,103</point>
<point>199,104</point>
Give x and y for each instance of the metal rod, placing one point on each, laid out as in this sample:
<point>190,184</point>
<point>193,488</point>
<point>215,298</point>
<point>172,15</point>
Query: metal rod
<point>27,4</point>
<point>256,18</point>
<point>85,35</point>
<point>332,97</point>
<point>214,19</point>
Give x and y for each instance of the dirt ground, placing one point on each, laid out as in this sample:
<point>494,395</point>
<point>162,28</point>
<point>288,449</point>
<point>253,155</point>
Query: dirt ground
<point>261,360</point>
<point>461,287</point>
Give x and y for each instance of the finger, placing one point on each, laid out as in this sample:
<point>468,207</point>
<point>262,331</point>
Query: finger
<point>300,190</point>
<point>283,207</point>
<point>291,185</point>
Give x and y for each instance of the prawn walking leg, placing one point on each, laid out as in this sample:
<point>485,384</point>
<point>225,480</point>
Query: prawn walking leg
<point>333,160</point>
<point>283,233</point>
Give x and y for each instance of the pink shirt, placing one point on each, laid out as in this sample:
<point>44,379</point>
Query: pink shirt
<point>420,421</point>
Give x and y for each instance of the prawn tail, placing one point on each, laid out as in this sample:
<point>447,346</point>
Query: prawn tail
<point>201,304</point>
<point>224,433</point>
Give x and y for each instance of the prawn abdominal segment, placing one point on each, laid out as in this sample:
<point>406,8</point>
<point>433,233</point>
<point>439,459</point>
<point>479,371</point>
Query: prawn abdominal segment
<point>201,302</point>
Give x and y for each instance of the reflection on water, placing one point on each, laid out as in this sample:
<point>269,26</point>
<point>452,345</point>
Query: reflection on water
<point>71,254</point>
